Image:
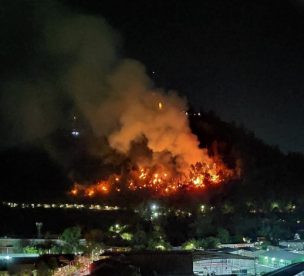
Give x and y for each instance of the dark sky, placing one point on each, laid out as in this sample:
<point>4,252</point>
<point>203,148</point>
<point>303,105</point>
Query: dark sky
<point>243,59</point>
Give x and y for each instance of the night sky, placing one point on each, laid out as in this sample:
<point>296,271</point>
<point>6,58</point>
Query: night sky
<point>242,59</point>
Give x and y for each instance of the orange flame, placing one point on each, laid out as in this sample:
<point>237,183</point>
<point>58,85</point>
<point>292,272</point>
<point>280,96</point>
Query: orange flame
<point>159,180</point>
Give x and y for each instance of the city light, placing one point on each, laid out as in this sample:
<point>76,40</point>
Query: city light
<point>75,133</point>
<point>153,207</point>
<point>97,207</point>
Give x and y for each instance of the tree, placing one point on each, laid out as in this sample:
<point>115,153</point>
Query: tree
<point>94,240</point>
<point>210,243</point>
<point>203,226</point>
<point>158,244</point>
<point>117,229</point>
<point>223,235</point>
<point>49,247</point>
<point>30,250</point>
<point>140,239</point>
<point>21,244</point>
<point>94,236</point>
<point>191,244</point>
<point>71,237</point>
<point>157,240</point>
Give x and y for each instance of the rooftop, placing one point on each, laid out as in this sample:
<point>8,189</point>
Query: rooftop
<point>282,254</point>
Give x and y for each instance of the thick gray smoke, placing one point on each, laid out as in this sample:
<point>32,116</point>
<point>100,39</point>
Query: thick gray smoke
<point>73,62</point>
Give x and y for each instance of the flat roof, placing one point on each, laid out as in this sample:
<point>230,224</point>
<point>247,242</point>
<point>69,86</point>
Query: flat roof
<point>196,254</point>
<point>292,241</point>
<point>205,255</point>
<point>282,254</point>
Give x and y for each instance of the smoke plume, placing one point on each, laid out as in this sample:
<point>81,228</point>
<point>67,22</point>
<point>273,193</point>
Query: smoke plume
<point>157,116</point>
<point>73,64</point>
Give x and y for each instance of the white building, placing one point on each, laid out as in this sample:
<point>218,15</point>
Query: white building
<point>293,244</point>
<point>218,263</point>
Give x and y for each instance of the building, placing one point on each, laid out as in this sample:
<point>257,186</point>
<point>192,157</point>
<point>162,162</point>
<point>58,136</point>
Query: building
<point>293,244</point>
<point>251,252</point>
<point>11,245</point>
<point>177,262</point>
<point>236,245</point>
<point>220,263</point>
<point>279,258</point>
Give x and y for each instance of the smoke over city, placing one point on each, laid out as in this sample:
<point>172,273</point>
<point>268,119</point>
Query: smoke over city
<point>114,95</point>
<point>73,68</point>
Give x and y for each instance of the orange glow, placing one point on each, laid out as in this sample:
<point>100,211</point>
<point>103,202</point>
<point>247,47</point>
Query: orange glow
<point>90,192</point>
<point>159,179</point>
<point>74,191</point>
<point>214,178</point>
<point>102,187</point>
<point>198,181</point>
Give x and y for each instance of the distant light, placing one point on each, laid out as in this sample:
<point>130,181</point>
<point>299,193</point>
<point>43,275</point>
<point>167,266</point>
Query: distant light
<point>75,133</point>
<point>7,257</point>
<point>190,246</point>
<point>160,105</point>
<point>154,207</point>
<point>273,259</point>
<point>281,260</point>
<point>155,215</point>
<point>160,246</point>
<point>126,236</point>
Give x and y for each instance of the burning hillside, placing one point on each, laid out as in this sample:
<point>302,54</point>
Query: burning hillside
<point>164,156</point>
<point>145,124</point>
<point>117,100</point>
<point>158,180</point>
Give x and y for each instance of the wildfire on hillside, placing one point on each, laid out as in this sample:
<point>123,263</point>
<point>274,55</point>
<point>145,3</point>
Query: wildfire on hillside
<point>150,128</point>
<point>158,180</point>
